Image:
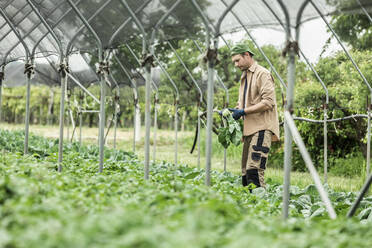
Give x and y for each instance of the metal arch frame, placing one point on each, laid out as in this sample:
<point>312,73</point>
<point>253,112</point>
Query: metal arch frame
<point>369,180</point>
<point>120,28</point>
<point>291,130</point>
<point>210,90</point>
<point>82,27</point>
<point>210,94</point>
<point>62,63</point>
<point>362,76</point>
<point>226,104</point>
<point>28,83</point>
<point>325,137</point>
<point>147,68</point>
<point>27,58</point>
<point>103,76</point>
<point>69,47</point>
<point>156,99</point>
<point>15,14</point>
<point>135,95</point>
<point>2,72</point>
<point>152,52</point>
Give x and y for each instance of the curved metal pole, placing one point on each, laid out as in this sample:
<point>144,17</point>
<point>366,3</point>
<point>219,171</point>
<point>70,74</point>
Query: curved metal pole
<point>161,20</point>
<point>121,27</point>
<point>29,73</point>
<point>364,80</point>
<point>50,31</point>
<point>147,67</point>
<point>63,77</point>
<point>15,24</point>
<point>99,10</point>
<point>103,76</point>
<point>14,29</point>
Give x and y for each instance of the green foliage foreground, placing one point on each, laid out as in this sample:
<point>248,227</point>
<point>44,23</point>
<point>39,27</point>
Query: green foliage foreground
<point>79,207</point>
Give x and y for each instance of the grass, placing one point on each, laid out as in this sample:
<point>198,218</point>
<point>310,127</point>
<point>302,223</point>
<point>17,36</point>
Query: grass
<point>165,151</point>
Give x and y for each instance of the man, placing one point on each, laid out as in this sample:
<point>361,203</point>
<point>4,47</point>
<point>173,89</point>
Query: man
<point>257,106</point>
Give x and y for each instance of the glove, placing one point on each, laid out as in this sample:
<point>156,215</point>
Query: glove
<point>237,113</point>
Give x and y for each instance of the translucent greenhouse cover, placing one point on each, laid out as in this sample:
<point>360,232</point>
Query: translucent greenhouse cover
<point>114,26</point>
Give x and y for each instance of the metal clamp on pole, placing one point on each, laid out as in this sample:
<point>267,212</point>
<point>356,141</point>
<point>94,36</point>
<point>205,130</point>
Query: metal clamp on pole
<point>147,59</point>
<point>103,67</point>
<point>291,45</point>
<point>211,55</point>
<point>29,69</point>
<point>63,69</point>
<point>2,77</point>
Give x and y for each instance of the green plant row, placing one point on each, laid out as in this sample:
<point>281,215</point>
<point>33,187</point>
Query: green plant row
<point>79,207</point>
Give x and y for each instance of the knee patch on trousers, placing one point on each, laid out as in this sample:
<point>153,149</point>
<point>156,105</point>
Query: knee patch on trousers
<point>252,177</point>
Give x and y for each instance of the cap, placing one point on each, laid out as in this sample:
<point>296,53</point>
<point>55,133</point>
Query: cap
<point>240,48</point>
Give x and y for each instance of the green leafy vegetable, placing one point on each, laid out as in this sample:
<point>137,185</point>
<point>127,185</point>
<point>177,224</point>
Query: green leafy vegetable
<point>231,132</point>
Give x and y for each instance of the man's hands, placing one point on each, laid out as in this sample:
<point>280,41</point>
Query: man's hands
<point>237,113</point>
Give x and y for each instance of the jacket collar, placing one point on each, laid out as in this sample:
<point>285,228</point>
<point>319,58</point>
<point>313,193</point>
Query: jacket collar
<point>252,68</point>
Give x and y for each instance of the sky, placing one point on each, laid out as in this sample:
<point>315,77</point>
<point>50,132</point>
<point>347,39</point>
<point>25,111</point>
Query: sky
<point>313,36</point>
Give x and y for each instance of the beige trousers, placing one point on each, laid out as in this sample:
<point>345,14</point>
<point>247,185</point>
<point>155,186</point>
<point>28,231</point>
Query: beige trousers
<point>255,154</point>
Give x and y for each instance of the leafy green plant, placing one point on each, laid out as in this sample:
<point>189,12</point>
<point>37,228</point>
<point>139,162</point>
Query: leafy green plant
<point>230,132</point>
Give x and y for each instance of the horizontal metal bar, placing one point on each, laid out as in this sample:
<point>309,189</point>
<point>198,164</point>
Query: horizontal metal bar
<point>83,88</point>
<point>331,120</point>
<point>89,111</point>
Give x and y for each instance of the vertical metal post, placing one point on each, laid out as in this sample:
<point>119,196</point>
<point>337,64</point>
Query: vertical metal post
<point>68,109</point>
<point>155,127</point>
<point>61,122</point>
<point>199,126</point>
<point>147,68</point>
<point>369,140</point>
<point>27,117</point>
<point>117,106</point>
<point>147,119</point>
<point>136,118</point>
<point>325,143</point>
<point>103,74</point>
<point>291,67</point>
<point>102,120</point>
<point>288,135</point>
<point>176,131</point>
<point>80,118</point>
<point>1,93</point>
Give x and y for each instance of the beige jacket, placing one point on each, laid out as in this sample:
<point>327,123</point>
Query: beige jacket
<point>260,88</point>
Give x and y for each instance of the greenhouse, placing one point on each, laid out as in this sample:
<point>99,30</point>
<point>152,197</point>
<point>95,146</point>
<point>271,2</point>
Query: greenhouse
<point>111,63</point>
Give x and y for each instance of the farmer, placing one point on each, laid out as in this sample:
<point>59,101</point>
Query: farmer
<point>257,106</point>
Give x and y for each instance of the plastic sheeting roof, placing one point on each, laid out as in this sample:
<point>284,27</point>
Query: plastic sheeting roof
<point>112,22</point>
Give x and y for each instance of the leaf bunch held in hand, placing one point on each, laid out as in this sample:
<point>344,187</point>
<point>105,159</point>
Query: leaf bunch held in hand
<point>230,132</point>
